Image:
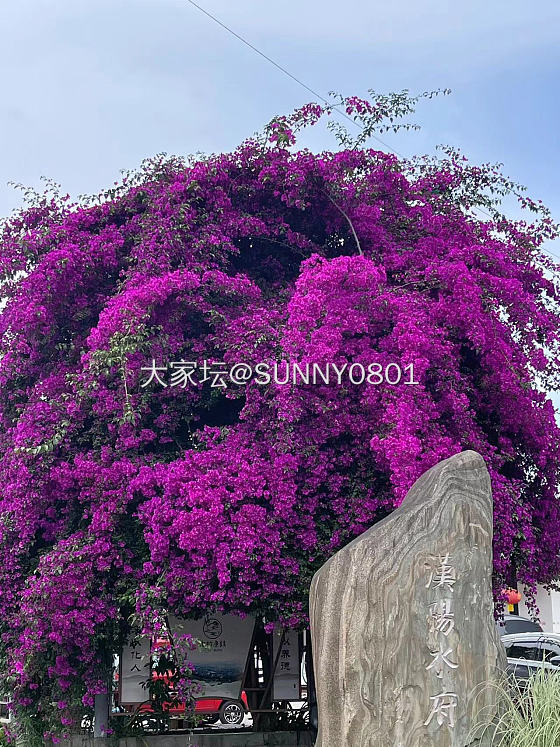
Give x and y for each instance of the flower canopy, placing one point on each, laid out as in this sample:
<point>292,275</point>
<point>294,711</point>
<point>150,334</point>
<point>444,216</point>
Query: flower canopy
<point>118,497</point>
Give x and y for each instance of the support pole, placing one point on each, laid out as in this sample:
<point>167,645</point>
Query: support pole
<point>101,715</point>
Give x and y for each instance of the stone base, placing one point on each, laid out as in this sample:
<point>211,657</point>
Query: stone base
<point>219,739</point>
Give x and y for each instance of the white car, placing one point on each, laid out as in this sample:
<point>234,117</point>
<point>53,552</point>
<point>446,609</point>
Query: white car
<point>528,652</point>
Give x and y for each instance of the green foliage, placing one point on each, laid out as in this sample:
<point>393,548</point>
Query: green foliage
<point>389,108</point>
<point>529,715</point>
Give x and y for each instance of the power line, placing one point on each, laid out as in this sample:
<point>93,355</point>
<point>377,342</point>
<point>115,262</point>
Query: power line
<point>547,251</point>
<point>308,88</point>
<point>551,254</point>
<point>287,72</point>
<point>262,54</point>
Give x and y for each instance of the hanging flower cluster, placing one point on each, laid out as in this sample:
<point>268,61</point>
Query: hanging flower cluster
<point>114,492</point>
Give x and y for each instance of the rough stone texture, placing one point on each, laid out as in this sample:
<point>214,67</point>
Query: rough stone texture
<point>372,627</point>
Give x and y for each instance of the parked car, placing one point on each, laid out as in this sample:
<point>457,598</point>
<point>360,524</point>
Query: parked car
<point>528,652</point>
<point>517,624</point>
<point>229,711</point>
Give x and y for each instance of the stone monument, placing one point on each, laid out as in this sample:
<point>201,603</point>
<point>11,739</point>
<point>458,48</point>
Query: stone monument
<point>402,624</point>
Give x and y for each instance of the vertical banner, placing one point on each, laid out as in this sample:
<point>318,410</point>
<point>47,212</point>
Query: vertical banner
<point>287,675</point>
<point>134,671</point>
<point>219,660</point>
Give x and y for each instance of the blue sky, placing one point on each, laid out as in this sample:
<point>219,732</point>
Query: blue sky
<point>93,87</point>
<point>90,88</point>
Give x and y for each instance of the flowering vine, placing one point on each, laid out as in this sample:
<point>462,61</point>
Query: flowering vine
<point>113,494</point>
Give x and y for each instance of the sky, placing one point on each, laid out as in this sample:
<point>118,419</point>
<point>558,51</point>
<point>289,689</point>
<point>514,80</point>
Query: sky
<point>91,88</point>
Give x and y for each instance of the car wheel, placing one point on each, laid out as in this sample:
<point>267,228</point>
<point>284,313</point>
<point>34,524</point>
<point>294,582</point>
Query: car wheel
<point>232,713</point>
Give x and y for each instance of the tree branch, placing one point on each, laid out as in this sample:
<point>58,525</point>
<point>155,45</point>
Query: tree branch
<point>349,222</point>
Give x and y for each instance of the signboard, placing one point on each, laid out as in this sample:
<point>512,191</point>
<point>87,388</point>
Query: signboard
<point>221,655</point>
<point>134,671</point>
<point>286,677</point>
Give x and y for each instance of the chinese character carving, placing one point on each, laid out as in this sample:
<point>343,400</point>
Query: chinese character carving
<point>440,618</point>
<point>443,708</point>
<point>443,575</point>
<point>440,660</point>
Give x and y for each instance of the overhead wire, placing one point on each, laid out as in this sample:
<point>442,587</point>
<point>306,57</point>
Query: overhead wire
<point>313,92</point>
<point>288,73</point>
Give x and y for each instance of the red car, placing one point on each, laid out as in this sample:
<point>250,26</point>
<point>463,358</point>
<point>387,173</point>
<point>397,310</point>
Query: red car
<point>227,710</point>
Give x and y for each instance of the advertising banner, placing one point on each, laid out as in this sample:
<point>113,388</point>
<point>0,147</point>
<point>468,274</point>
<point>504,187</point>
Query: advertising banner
<point>221,654</point>
<point>286,677</point>
<point>134,671</point>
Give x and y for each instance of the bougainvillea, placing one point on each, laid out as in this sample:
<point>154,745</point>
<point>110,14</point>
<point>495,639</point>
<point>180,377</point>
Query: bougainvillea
<point>115,492</point>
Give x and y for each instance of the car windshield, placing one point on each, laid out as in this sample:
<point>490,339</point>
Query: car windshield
<point>522,626</point>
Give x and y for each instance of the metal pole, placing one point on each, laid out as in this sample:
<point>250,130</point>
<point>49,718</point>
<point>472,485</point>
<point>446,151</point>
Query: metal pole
<point>275,664</point>
<point>101,715</point>
<point>311,692</point>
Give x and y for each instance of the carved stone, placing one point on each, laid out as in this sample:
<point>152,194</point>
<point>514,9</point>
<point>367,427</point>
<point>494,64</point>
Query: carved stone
<point>404,614</point>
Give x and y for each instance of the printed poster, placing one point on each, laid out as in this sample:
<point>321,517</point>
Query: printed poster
<point>220,658</point>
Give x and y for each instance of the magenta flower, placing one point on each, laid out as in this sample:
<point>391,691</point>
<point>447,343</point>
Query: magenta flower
<point>118,498</point>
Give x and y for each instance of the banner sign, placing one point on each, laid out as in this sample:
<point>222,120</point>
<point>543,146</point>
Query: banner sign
<point>134,671</point>
<point>221,654</point>
<point>286,677</point>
